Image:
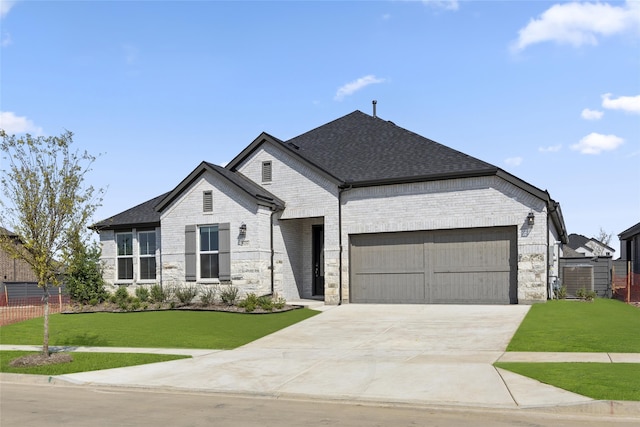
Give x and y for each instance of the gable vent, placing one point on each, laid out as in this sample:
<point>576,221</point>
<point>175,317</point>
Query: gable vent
<point>577,277</point>
<point>207,201</point>
<point>266,171</point>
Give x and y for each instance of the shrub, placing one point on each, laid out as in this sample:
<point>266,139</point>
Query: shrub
<point>122,295</point>
<point>249,303</point>
<point>142,294</point>
<point>208,294</point>
<point>229,295</point>
<point>93,301</point>
<point>83,278</point>
<point>135,304</point>
<point>561,293</point>
<point>157,294</point>
<point>186,294</point>
<point>278,302</point>
<point>266,303</point>
<point>586,295</point>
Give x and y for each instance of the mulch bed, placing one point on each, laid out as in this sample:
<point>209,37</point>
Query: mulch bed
<point>40,360</point>
<point>108,307</point>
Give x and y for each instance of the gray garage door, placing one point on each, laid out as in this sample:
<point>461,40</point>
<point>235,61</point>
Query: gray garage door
<point>474,266</point>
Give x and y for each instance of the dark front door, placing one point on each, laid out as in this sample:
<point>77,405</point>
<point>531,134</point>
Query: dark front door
<point>317,241</point>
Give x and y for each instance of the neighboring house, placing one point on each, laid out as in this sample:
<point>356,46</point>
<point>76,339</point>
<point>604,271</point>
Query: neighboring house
<point>589,247</point>
<point>630,247</point>
<point>12,269</point>
<point>357,210</point>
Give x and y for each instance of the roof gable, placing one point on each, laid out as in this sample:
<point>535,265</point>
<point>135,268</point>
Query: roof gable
<point>630,232</point>
<point>259,194</point>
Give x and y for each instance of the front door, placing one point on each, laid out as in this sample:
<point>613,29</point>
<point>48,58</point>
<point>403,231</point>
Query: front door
<point>317,241</point>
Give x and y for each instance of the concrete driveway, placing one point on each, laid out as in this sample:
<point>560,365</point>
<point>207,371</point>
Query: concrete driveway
<point>424,354</point>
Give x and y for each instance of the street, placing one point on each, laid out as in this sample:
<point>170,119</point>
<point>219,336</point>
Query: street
<point>28,405</point>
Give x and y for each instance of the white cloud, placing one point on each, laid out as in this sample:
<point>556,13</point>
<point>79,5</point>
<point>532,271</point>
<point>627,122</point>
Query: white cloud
<point>5,7</point>
<point>443,4</point>
<point>356,85</point>
<point>588,114</point>
<point>577,24</point>
<point>630,104</point>
<point>550,149</point>
<point>513,161</point>
<point>6,39</point>
<point>595,143</point>
<point>13,124</point>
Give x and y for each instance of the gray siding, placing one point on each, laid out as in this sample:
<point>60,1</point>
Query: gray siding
<point>601,273</point>
<point>444,266</point>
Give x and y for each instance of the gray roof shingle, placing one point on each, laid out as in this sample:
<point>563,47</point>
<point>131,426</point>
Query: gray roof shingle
<point>143,214</point>
<point>359,148</point>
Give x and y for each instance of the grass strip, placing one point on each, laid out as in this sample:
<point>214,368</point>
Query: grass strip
<point>83,362</point>
<point>602,325</point>
<point>601,381</point>
<point>157,329</point>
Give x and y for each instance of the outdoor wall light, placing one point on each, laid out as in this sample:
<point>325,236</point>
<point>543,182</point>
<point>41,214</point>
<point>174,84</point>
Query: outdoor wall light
<point>243,230</point>
<point>531,219</point>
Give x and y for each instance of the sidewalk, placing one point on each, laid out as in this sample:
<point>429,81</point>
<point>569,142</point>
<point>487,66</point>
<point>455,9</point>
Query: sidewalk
<point>437,356</point>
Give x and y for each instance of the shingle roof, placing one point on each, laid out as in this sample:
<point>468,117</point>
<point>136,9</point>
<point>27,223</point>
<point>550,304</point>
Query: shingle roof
<point>143,214</point>
<point>630,232</point>
<point>359,148</point>
<point>577,241</point>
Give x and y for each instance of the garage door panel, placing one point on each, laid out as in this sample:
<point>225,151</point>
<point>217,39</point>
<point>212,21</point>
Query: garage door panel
<point>454,266</point>
<point>471,287</point>
<point>403,288</point>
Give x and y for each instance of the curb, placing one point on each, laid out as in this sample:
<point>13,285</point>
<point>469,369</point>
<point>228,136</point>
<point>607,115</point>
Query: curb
<point>595,409</point>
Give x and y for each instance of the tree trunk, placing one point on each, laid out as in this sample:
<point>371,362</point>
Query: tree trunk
<point>45,342</point>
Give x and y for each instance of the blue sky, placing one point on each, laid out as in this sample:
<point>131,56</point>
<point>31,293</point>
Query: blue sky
<point>548,91</point>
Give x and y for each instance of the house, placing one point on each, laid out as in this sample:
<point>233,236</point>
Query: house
<point>357,210</point>
<point>630,247</point>
<point>589,247</point>
<point>13,269</point>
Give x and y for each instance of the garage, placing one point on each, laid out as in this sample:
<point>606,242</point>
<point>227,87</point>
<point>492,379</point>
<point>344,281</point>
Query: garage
<point>460,266</point>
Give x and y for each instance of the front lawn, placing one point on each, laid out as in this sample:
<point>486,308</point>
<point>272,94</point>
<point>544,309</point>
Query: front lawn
<point>158,329</point>
<point>601,381</point>
<point>83,362</point>
<point>604,325</point>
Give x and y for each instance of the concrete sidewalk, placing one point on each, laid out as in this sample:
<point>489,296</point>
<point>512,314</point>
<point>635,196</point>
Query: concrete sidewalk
<point>422,355</point>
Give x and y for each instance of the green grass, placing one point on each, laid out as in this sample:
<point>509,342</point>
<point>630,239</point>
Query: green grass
<point>603,325</point>
<point>158,329</point>
<point>601,381</point>
<point>83,362</point>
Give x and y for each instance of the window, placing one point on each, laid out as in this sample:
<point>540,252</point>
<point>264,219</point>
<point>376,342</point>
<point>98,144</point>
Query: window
<point>125,256</point>
<point>207,201</point>
<point>209,252</point>
<point>266,171</point>
<point>147,244</point>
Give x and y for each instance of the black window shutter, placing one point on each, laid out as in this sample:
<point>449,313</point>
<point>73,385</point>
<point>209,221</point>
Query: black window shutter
<point>190,248</point>
<point>224,251</point>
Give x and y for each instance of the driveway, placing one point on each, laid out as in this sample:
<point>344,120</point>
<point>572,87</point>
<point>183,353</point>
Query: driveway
<point>436,354</point>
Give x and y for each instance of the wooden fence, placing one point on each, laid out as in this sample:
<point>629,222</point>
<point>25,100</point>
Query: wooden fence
<point>625,283</point>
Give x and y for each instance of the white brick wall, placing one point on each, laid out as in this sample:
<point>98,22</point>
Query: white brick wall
<point>310,199</point>
<point>250,257</point>
<point>457,203</point>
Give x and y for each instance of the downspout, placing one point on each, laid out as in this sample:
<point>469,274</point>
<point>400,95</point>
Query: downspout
<point>340,190</point>
<point>272,255</point>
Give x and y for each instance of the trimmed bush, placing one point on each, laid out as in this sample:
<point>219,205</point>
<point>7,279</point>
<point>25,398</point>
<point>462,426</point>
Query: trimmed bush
<point>142,294</point>
<point>186,294</point>
<point>229,295</point>
<point>208,294</point>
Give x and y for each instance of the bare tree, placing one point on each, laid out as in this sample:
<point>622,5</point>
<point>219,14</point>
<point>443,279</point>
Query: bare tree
<point>47,205</point>
<point>604,237</point>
